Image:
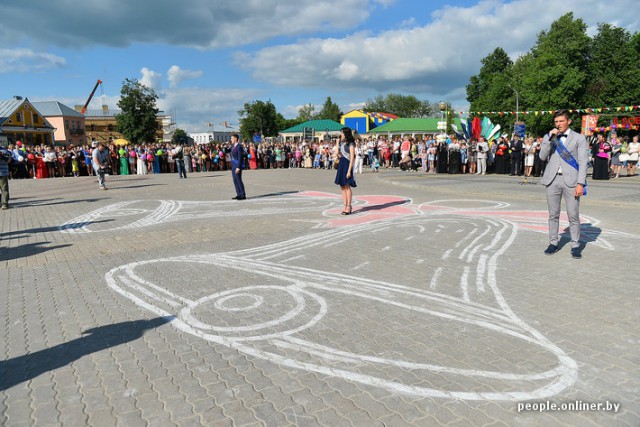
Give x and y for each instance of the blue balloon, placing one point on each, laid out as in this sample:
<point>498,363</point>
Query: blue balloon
<point>249,156</point>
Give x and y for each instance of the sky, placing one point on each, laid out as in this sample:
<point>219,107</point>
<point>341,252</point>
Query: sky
<point>207,58</point>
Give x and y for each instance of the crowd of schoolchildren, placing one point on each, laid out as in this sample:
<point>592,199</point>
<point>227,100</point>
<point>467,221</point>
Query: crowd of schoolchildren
<point>430,154</point>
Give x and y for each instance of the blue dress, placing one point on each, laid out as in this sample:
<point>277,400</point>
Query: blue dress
<point>343,166</point>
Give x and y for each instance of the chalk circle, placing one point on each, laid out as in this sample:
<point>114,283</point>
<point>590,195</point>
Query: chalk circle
<point>302,309</point>
<point>257,302</point>
<point>465,204</point>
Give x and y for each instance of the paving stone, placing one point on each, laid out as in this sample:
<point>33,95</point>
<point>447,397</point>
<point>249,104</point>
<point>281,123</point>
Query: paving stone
<point>81,347</point>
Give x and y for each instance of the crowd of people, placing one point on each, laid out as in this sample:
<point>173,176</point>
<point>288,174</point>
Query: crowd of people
<point>430,154</point>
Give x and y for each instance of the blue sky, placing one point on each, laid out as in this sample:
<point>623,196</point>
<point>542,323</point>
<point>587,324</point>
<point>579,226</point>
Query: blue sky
<point>206,58</point>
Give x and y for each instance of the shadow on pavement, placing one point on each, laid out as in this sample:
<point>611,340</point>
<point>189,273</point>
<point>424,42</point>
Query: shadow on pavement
<point>42,202</point>
<point>380,207</point>
<point>24,368</point>
<point>588,234</point>
<point>280,193</point>
<point>24,233</point>
<point>116,187</point>
<point>22,251</point>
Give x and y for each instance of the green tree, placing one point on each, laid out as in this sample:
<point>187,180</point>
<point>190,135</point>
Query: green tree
<point>555,71</point>
<point>426,109</point>
<point>330,111</point>
<point>282,123</point>
<point>258,116</point>
<point>635,42</point>
<point>614,68</point>
<point>179,137</point>
<point>137,121</point>
<point>306,112</point>
<point>491,89</point>
<point>407,106</point>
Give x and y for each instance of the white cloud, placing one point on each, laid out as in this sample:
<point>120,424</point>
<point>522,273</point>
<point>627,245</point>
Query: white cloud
<point>151,79</point>
<point>195,23</point>
<point>436,58</point>
<point>25,60</point>
<point>196,107</point>
<point>175,75</point>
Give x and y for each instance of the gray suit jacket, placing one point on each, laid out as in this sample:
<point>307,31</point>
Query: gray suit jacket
<point>577,145</point>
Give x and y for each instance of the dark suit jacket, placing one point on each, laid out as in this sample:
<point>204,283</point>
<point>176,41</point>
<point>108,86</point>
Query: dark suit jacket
<point>237,156</point>
<point>516,146</point>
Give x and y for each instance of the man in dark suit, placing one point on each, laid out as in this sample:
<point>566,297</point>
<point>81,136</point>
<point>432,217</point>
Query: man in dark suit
<point>237,164</point>
<point>565,177</point>
<point>516,155</point>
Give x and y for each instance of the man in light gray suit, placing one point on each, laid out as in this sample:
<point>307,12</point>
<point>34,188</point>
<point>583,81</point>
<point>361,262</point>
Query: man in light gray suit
<point>565,177</point>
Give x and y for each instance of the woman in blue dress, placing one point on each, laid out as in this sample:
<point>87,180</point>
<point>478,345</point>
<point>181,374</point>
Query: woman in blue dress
<point>344,176</point>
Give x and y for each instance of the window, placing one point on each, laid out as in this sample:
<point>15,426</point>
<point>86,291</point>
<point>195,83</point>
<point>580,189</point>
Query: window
<point>18,117</point>
<point>35,118</point>
<point>66,124</point>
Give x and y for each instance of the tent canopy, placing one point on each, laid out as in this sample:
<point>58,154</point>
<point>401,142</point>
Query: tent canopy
<point>121,142</point>
<point>316,125</point>
<point>412,126</point>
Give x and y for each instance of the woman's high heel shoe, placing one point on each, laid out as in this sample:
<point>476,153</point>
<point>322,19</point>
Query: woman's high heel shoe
<point>348,211</point>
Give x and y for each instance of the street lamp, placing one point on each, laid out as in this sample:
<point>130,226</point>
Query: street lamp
<point>442,124</point>
<point>517,102</point>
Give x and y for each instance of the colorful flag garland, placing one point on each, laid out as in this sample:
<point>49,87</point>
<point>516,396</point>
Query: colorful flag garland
<point>543,112</point>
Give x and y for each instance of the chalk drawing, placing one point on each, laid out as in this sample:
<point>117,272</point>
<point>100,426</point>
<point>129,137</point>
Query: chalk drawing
<point>273,302</point>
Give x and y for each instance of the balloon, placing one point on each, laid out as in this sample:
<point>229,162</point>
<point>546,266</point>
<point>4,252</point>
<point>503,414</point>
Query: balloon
<point>20,159</point>
<point>249,156</point>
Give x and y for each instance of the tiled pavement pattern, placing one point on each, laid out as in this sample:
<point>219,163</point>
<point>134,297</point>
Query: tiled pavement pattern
<point>370,300</point>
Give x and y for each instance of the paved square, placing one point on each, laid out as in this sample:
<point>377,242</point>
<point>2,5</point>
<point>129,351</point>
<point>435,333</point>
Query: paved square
<point>164,302</point>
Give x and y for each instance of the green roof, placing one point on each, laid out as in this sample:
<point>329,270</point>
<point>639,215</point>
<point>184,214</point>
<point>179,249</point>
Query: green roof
<point>429,125</point>
<point>316,125</point>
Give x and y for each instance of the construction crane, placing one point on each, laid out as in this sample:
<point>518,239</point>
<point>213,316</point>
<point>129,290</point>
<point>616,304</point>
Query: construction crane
<point>84,109</point>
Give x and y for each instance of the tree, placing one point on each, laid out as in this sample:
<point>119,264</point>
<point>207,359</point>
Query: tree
<point>556,71</point>
<point>330,111</point>
<point>426,109</point>
<point>635,42</point>
<point>306,112</point>
<point>258,116</point>
<point>282,123</point>
<point>179,137</point>
<point>491,89</point>
<point>138,120</point>
<point>400,105</point>
<point>614,68</point>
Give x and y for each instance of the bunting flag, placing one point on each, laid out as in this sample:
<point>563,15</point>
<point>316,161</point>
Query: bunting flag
<point>624,108</point>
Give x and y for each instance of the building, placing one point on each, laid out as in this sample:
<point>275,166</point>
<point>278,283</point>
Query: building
<point>365,121</point>
<point>101,126</point>
<point>68,123</point>
<point>211,136</point>
<point>21,121</point>
<point>312,130</point>
<point>412,127</point>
